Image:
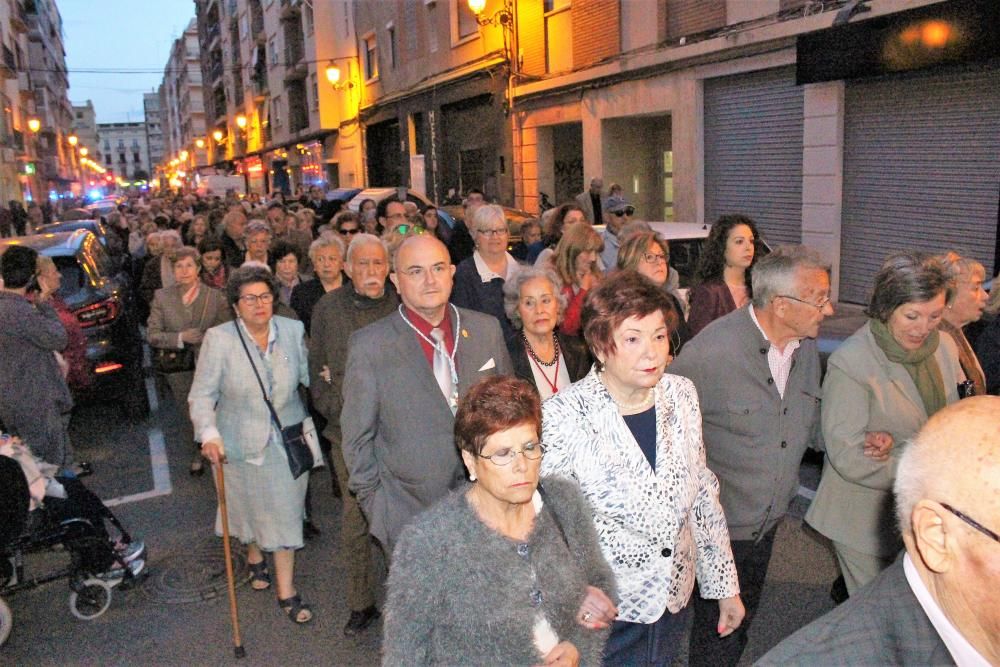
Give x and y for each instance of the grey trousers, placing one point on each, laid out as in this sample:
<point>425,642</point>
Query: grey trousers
<point>355,542</point>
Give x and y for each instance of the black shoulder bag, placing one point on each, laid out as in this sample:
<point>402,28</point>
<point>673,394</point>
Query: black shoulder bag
<point>295,438</point>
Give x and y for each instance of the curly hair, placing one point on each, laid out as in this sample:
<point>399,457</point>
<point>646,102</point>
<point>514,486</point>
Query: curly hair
<point>712,262</point>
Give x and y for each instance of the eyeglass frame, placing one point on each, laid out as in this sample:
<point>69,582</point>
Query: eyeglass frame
<point>972,522</point>
<point>514,453</point>
<point>493,233</point>
<point>628,210</point>
<point>253,299</point>
<point>655,258</point>
<point>352,232</point>
<point>818,306</point>
<point>405,228</point>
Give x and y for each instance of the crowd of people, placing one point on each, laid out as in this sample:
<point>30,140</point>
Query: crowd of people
<point>558,453</point>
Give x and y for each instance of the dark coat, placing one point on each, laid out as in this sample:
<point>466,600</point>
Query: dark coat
<point>306,295</point>
<point>709,301</point>
<point>576,354</point>
<point>883,624</point>
<point>988,350</point>
<point>469,291</point>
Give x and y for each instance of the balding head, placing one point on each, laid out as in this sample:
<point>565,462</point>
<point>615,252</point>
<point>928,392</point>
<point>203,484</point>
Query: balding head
<point>422,273</point>
<point>948,503</point>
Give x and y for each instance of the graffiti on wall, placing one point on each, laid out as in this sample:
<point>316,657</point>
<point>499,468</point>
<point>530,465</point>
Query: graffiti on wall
<point>569,179</point>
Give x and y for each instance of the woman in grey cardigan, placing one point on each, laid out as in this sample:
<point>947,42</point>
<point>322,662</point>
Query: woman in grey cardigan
<point>507,571</point>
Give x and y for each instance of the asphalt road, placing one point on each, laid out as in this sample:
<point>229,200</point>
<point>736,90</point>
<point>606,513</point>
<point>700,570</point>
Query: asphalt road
<point>180,616</point>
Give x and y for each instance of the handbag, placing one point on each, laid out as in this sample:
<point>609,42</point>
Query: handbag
<point>167,361</point>
<point>301,442</point>
<point>173,361</point>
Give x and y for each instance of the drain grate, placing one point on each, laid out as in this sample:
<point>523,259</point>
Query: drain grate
<point>194,575</point>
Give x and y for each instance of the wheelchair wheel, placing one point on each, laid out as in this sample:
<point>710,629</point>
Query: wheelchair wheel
<point>90,598</point>
<point>6,621</point>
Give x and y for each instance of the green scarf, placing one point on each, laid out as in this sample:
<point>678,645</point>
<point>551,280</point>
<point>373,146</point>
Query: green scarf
<point>920,364</point>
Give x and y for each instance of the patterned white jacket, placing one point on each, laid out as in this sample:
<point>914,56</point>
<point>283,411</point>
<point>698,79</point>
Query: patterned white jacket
<point>657,530</point>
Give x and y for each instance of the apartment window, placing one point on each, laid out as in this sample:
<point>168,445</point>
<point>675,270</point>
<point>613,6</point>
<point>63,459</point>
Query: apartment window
<point>432,35</point>
<point>135,158</point>
<point>314,87</point>
<point>465,19</point>
<point>371,56</point>
<point>107,160</point>
<point>391,30</point>
<point>272,48</point>
<point>558,35</point>
<point>307,16</point>
<point>244,27</point>
<point>121,157</point>
<point>276,111</point>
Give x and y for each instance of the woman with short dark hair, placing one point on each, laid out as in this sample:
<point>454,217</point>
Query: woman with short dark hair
<point>630,435</point>
<point>723,273</point>
<point>284,260</point>
<point>507,570</point>
<point>881,386</point>
<point>265,503</point>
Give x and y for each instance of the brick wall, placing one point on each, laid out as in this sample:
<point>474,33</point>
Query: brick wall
<point>596,31</point>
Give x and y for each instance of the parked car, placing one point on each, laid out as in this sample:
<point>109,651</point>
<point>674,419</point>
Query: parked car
<point>404,194</point>
<point>102,299</point>
<point>112,242</point>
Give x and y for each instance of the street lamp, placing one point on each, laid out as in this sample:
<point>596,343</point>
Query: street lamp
<point>241,122</point>
<point>34,125</point>
<point>83,151</point>
<point>183,155</point>
<point>72,139</point>
<point>199,142</point>
<point>503,16</point>
<point>333,74</point>
<point>217,135</point>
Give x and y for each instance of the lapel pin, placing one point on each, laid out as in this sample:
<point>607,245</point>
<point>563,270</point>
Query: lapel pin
<point>465,334</point>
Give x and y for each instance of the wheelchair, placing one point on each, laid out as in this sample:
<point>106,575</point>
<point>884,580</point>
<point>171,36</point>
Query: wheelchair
<point>96,565</point>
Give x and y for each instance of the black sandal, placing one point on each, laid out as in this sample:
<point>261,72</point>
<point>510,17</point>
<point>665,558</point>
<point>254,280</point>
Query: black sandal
<point>259,575</point>
<point>293,608</point>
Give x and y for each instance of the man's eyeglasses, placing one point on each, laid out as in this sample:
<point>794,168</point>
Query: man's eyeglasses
<point>654,258</point>
<point>350,232</point>
<point>501,231</point>
<point>532,451</point>
<point>628,210</point>
<point>972,522</point>
<point>818,306</point>
<point>253,299</point>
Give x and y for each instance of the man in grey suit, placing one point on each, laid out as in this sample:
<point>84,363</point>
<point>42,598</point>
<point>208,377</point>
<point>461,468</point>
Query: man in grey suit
<point>937,604</point>
<point>405,374</point>
<point>34,399</point>
<point>757,374</point>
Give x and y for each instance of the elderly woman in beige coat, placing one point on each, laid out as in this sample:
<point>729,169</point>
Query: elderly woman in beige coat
<point>881,386</point>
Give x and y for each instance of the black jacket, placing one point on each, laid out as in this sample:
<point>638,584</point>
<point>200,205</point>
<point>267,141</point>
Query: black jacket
<point>576,354</point>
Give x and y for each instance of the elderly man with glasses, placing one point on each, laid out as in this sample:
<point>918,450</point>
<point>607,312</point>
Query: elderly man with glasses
<point>757,374</point>
<point>617,213</point>
<point>936,604</point>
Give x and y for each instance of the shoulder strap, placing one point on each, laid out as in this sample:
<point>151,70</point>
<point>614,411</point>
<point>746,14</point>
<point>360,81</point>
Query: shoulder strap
<point>274,415</point>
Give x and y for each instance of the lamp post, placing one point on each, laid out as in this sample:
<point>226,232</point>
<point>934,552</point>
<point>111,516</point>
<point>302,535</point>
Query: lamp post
<point>502,18</point>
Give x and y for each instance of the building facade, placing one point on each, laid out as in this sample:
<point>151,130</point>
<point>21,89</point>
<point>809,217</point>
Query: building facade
<point>704,108</point>
<point>18,145</point>
<point>41,69</point>
<point>183,104</point>
<point>153,120</point>
<point>125,151</point>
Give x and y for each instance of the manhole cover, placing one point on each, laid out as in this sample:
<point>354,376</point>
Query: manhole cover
<point>195,575</point>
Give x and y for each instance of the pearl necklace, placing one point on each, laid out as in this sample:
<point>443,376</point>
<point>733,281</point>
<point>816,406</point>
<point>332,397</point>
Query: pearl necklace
<point>629,407</point>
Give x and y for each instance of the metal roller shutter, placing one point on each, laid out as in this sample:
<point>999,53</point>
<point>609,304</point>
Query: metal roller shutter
<point>753,151</point>
<point>921,169</point>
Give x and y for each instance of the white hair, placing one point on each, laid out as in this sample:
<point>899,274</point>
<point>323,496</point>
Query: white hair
<point>325,241</point>
<point>917,467</point>
<point>361,240</point>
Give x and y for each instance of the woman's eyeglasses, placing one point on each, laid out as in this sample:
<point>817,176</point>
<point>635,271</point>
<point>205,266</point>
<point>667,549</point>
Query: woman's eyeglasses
<point>253,299</point>
<point>532,451</point>
<point>654,258</point>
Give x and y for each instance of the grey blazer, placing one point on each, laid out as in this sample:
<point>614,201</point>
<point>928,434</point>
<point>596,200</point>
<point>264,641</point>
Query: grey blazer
<point>754,438</point>
<point>397,426</point>
<point>883,624</point>
<point>864,391</point>
<point>168,316</point>
<point>225,399</point>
